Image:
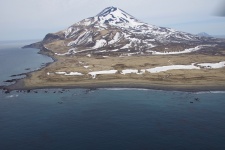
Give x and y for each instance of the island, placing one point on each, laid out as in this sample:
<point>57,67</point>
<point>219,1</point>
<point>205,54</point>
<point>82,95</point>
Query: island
<point>113,49</point>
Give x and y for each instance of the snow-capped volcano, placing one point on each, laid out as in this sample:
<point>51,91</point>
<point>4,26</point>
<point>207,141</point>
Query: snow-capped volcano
<point>114,30</point>
<point>113,17</point>
<point>117,17</point>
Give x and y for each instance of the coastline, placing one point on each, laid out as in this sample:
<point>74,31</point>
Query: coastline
<point>19,85</point>
<point>133,84</point>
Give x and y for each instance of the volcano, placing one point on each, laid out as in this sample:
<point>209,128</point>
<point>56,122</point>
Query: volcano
<point>113,31</point>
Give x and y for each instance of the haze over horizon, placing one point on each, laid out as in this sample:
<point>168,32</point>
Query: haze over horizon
<point>33,19</point>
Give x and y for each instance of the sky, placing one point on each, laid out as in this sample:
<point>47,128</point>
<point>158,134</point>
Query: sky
<point>33,19</point>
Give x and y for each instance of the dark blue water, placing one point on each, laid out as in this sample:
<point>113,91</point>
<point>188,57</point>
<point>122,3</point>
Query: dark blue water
<point>15,60</point>
<point>109,119</point>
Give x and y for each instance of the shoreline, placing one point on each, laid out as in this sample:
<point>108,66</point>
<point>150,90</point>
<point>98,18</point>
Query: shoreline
<point>19,83</point>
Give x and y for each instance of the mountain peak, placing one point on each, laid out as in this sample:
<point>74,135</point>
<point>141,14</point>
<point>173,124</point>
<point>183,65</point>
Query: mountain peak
<point>114,11</point>
<point>114,27</point>
<point>107,11</point>
<point>115,30</point>
<point>116,17</point>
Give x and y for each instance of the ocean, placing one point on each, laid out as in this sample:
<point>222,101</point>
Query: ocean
<point>104,119</point>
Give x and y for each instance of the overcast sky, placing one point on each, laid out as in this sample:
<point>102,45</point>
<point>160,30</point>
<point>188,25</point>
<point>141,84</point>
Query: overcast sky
<point>33,19</point>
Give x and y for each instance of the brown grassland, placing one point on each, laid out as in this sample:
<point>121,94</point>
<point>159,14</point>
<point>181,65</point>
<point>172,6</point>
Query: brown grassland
<point>178,79</point>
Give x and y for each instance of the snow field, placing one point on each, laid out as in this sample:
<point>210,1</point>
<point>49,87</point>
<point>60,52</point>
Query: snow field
<point>94,73</point>
<point>151,70</point>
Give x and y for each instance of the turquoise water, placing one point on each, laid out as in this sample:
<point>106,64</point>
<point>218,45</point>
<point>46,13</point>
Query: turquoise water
<point>132,119</point>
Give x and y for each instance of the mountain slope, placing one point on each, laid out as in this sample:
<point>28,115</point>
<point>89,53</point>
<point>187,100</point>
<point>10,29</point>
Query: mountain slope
<point>115,31</point>
<point>203,34</point>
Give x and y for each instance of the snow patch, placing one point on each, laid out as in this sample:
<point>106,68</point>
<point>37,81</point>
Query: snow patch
<point>100,43</point>
<point>212,65</point>
<point>116,38</point>
<point>93,74</point>
<point>86,67</point>
<point>115,50</point>
<point>85,37</point>
<point>70,51</point>
<point>103,51</point>
<point>126,46</point>
<point>68,31</point>
<point>128,71</point>
<point>172,67</point>
<point>60,73</point>
<point>69,74</point>
<point>189,50</point>
<point>74,74</point>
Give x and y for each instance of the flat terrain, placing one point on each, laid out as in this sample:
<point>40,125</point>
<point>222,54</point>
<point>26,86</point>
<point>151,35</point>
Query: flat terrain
<point>177,79</point>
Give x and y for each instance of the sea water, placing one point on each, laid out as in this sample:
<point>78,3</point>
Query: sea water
<point>14,60</point>
<point>107,119</point>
